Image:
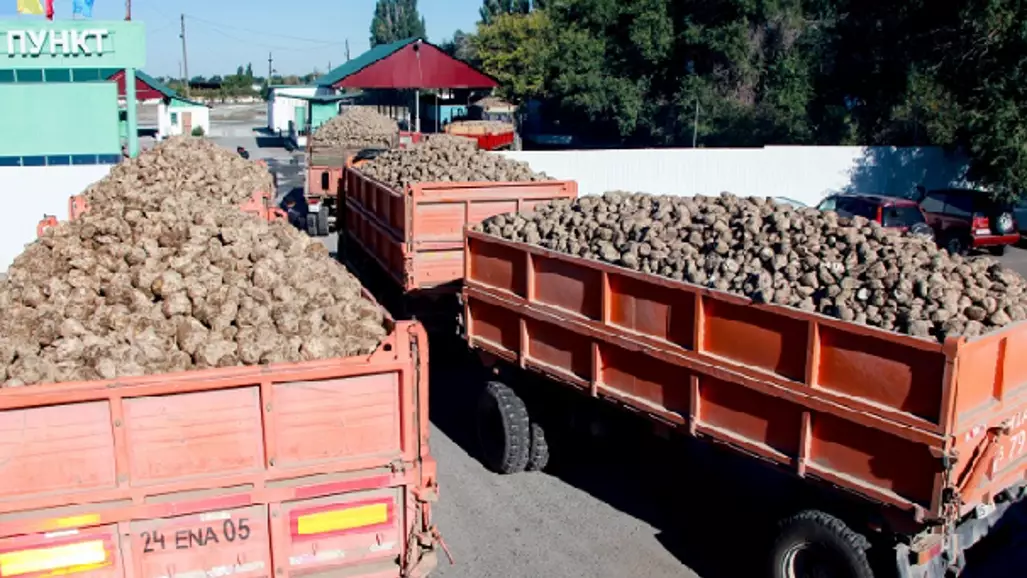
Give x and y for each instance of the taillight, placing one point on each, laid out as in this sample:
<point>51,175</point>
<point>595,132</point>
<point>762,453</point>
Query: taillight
<point>66,558</point>
<point>981,222</point>
<point>360,517</point>
<point>878,216</point>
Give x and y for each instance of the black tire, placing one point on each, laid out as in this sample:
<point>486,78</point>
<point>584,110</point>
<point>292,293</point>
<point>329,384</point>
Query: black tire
<point>503,429</point>
<point>538,456</point>
<point>955,245</point>
<point>312,225</point>
<point>322,220</point>
<point>997,250</point>
<point>813,544</point>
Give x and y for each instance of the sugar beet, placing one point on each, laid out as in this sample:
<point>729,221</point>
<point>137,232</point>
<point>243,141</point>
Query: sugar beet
<point>852,269</point>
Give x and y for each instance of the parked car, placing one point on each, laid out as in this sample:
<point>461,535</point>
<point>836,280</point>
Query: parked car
<point>891,212</point>
<point>965,219</point>
<point>790,202</point>
<point>1020,214</point>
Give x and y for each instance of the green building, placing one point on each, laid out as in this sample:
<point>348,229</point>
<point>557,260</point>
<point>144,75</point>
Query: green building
<point>59,117</point>
<point>56,107</point>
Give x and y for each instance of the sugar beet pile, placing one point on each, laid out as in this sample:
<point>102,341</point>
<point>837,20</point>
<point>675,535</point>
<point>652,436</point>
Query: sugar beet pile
<point>156,279</point>
<point>852,269</point>
<point>357,128</point>
<point>446,159</point>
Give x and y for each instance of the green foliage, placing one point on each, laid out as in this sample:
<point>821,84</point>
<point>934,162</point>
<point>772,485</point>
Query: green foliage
<point>515,49</point>
<point>492,9</point>
<point>197,131</point>
<point>461,47</point>
<point>396,20</point>
<point>763,72</point>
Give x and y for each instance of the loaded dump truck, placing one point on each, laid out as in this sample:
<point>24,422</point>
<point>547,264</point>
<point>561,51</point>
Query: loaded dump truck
<point>248,453</point>
<point>414,237</point>
<point>901,448</point>
<point>279,470</point>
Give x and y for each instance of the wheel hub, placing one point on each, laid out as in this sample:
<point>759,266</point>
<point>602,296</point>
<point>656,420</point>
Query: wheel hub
<point>813,561</point>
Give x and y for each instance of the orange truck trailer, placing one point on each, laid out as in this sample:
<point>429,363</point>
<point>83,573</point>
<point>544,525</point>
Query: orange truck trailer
<point>909,446</point>
<point>318,468</point>
<point>324,179</point>
<point>415,236</point>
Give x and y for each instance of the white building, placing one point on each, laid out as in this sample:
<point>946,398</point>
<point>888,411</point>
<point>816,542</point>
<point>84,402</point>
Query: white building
<point>286,107</point>
<point>176,116</point>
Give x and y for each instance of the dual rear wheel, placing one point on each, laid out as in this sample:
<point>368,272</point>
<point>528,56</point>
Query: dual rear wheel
<point>810,544</point>
<point>510,441</point>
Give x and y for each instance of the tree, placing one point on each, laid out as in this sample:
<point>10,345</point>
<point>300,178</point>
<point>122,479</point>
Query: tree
<point>461,47</point>
<point>515,49</point>
<point>491,9</point>
<point>980,71</point>
<point>249,71</point>
<point>396,20</point>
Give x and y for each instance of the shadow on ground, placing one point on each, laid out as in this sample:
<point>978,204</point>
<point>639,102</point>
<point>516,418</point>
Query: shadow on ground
<point>684,490</point>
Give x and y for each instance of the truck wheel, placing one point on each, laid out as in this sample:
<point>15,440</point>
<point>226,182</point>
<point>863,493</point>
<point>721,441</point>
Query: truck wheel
<point>312,225</point>
<point>955,245</point>
<point>538,456</point>
<point>322,220</point>
<point>503,429</point>
<point>813,544</point>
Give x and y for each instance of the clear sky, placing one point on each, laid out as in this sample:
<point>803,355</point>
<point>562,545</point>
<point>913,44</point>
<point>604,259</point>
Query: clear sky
<point>301,35</point>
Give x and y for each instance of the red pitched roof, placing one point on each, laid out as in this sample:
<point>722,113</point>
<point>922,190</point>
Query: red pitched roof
<point>146,87</point>
<point>407,64</point>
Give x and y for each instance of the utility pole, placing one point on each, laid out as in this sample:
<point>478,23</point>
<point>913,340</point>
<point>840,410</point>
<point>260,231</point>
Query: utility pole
<point>347,50</point>
<point>185,60</point>
<point>128,9</point>
<point>270,68</point>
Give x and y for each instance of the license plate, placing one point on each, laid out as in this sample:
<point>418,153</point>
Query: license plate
<point>983,231</point>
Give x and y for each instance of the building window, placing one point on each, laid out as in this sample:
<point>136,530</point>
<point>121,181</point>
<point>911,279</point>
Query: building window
<point>174,118</point>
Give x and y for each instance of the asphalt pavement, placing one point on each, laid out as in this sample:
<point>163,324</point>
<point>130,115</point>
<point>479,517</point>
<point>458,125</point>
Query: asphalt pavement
<point>626,504</point>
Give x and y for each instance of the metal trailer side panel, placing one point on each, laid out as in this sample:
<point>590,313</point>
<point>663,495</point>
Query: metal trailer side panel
<point>862,408</point>
<point>417,235</point>
<point>132,438</point>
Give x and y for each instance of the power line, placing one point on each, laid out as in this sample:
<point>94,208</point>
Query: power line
<point>216,28</point>
<point>262,33</point>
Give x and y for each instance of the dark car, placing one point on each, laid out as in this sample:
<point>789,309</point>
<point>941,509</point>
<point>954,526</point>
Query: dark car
<point>965,219</point>
<point>891,212</point>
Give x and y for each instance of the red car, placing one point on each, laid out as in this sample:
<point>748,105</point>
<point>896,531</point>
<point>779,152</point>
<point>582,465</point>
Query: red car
<point>965,219</point>
<point>891,212</point>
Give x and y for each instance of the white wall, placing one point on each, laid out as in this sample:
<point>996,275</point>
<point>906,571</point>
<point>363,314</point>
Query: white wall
<point>805,174</point>
<point>200,117</point>
<point>37,191</point>
<point>281,106</point>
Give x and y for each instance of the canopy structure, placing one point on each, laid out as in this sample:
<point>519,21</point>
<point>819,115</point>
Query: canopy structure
<point>410,64</point>
<point>406,64</point>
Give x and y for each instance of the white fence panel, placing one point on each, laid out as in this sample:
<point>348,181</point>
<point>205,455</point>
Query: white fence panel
<point>805,174</point>
<point>33,192</point>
